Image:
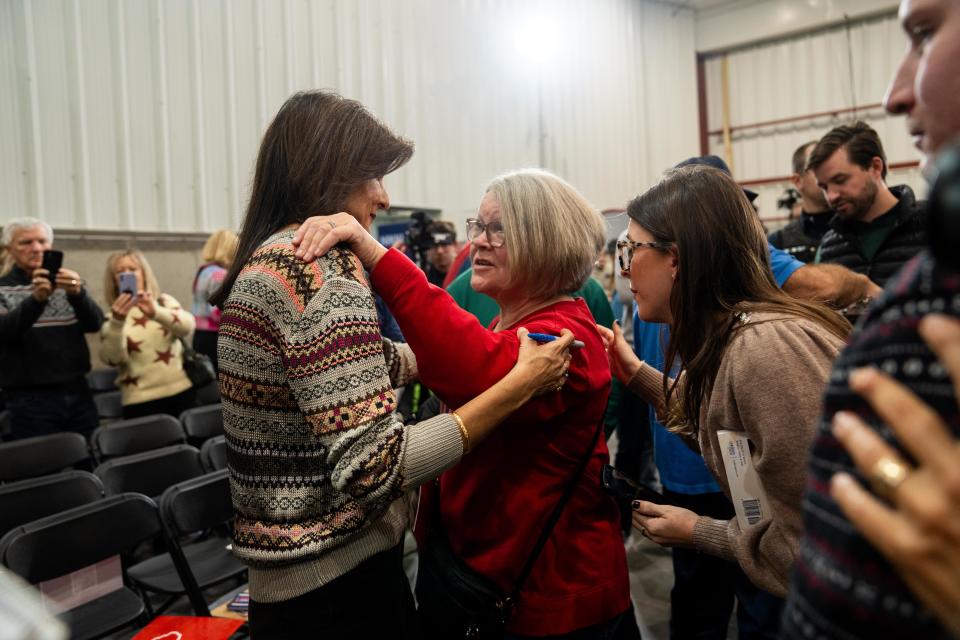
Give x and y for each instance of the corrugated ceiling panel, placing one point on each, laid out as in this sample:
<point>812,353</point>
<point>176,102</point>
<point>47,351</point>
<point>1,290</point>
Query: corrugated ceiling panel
<point>805,75</point>
<point>147,114</point>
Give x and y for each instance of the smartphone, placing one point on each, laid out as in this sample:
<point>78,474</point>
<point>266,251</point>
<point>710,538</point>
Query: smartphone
<point>128,283</point>
<point>52,261</point>
<point>626,490</point>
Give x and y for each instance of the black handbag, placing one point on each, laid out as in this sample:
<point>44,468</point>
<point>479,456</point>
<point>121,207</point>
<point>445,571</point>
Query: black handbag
<point>457,602</point>
<point>197,366</point>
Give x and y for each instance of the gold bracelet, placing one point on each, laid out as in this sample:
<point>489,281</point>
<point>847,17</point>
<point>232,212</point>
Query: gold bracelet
<point>463,432</point>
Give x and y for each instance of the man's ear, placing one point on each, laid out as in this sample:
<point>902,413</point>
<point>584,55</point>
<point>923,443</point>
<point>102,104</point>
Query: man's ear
<point>796,180</point>
<point>876,167</point>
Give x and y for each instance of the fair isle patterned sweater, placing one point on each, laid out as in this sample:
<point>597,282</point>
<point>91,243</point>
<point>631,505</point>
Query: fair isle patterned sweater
<point>148,351</point>
<point>319,460</point>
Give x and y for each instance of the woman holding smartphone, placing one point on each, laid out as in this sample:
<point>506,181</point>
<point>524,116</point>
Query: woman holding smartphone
<point>143,339</point>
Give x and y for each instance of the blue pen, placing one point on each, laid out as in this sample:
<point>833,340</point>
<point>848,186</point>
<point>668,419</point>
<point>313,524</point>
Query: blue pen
<point>546,337</point>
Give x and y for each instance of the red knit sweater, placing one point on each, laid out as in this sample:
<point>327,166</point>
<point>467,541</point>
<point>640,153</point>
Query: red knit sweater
<point>496,500</point>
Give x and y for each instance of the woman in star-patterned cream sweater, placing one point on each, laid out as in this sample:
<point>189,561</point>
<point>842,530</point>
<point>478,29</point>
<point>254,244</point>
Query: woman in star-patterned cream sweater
<point>142,339</point>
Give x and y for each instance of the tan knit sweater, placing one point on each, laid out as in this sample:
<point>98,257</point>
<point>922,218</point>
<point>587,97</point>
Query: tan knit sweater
<point>148,351</point>
<point>769,385</point>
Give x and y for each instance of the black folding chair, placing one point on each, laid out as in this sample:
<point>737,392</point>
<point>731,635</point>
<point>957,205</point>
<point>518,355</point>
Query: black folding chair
<point>126,437</point>
<point>102,380</point>
<point>42,455</point>
<point>60,544</point>
<point>109,405</point>
<point>213,454</point>
<point>151,472</point>
<point>202,423</point>
<point>198,511</point>
<point>27,500</point>
<point>6,428</point>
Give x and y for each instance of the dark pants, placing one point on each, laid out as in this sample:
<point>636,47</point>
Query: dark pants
<point>205,342</point>
<point>38,413</point>
<point>705,586</point>
<point>371,601</point>
<point>603,631</point>
<point>172,405</point>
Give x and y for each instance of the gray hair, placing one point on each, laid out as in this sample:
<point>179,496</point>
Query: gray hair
<point>20,224</point>
<point>554,235</point>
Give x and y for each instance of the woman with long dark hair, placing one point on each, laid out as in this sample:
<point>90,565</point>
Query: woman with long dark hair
<point>753,362</point>
<point>320,462</point>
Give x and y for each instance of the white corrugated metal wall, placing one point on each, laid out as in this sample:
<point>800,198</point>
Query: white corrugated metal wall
<point>147,114</point>
<point>804,75</point>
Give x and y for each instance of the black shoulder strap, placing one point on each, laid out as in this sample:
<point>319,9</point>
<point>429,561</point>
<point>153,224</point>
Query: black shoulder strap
<point>554,517</point>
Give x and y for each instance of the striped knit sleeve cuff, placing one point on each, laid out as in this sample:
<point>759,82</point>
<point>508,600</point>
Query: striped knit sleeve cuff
<point>433,446</point>
<point>713,537</point>
<point>401,362</point>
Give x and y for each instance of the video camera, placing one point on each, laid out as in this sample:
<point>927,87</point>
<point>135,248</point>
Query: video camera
<point>788,199</point>
<point>425,234</point>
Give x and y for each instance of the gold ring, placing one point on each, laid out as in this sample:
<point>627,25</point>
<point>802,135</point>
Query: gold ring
<point>73,282</point>
<point>886,475</point>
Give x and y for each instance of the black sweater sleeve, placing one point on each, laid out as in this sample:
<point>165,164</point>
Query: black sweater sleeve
<point>15,322</point>
<point>88,312</point>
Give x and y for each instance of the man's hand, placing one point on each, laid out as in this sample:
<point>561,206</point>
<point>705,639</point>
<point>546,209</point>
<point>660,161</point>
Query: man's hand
<point>832,284</point>
<point>69,281</point>
<point>42,287</point>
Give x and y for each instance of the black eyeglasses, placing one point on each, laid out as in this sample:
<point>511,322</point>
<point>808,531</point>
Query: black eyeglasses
<point>494,231</point>
<point>625,249</point>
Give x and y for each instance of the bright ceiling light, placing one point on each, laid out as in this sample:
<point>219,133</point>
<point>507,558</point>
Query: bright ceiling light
<point>538,40</point>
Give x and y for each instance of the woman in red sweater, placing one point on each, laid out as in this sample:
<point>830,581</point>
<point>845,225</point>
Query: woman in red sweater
<point>534,240</point>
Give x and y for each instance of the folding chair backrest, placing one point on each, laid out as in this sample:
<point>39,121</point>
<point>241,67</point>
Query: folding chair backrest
<point>42,455</point>
<point>150,473</point>
<point>109,405</point>
<point>65,542</point>
<point>102,380</point>
<point>27,500</point>
<point>197,504</point>
<point>213,454</point>
<point>126,437</point>
<point>201,423</point>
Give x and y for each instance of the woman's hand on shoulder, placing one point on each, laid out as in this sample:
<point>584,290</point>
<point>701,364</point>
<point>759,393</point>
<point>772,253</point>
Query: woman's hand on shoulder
<point>318,234</point>
<point>623,361</point>
<point>543,367</point>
